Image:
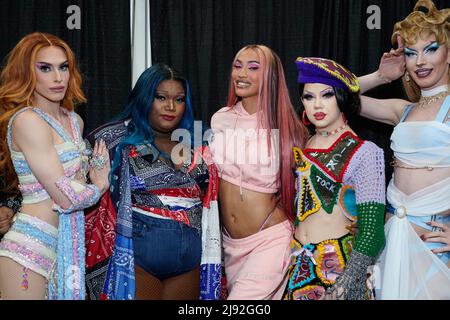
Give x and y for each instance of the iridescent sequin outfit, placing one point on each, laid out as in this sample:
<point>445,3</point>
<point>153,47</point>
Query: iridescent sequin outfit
<point>56,253</point>
<point>32,243</point>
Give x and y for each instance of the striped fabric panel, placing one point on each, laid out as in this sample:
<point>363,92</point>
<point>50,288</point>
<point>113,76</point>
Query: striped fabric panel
<point>29,257</point>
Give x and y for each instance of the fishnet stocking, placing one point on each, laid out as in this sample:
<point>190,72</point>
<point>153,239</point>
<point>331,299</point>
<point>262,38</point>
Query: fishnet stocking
<point>183,287</point>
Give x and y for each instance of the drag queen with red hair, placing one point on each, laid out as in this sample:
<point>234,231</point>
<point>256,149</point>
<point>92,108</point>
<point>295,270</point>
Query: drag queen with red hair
<point>252,146</point>
<point>44,156</point>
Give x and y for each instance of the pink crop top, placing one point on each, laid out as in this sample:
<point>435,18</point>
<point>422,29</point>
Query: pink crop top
<point>241,150</point>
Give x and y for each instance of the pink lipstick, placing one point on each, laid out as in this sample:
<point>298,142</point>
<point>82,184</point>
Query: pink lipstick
<point>319,115</point>
<point>423,73</point>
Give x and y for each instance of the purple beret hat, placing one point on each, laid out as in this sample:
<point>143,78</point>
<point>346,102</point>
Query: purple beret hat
<point>319,70</point>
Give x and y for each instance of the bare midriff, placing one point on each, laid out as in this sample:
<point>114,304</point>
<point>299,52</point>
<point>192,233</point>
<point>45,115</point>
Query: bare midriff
<point>244,216</point>
<point>43,211</point>
<point>409,181</point>
<point>322,226</point>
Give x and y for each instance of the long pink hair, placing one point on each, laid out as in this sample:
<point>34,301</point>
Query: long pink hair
<point>277,113</point>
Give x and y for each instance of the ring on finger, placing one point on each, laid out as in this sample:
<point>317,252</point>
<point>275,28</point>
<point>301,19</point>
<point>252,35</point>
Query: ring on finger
<point>97,162</point>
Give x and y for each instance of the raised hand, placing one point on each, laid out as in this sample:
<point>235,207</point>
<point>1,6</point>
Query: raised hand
<point>100,166</point>
<point>393,65</point>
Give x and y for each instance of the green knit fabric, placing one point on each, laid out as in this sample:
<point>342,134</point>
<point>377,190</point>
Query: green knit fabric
<point>370,239</point>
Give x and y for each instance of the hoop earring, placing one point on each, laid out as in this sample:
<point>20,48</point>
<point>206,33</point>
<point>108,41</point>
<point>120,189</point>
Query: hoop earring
<point>407,78</point>
<point>305,119</point>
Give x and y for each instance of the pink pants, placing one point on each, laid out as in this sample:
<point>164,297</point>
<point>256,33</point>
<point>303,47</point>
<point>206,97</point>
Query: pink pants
<point>256,266</point>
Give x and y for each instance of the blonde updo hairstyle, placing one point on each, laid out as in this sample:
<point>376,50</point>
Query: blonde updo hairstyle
<point>424,21</point>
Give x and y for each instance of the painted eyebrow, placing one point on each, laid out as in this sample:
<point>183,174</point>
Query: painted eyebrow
<point>49,64</point>
<point>428,45</point>
<point>167,92</point>
<point>252,61</point>
<point>409,49</point>
<point>433,43</point>
<point>327,89</point>
<point>324,90</point>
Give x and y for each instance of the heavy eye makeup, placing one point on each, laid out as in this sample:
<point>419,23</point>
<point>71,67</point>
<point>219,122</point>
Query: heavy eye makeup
<point>329,93</point>
<point>237,64</point>
<point>44,67</point>
<point>431,48</point>
<point>409,52</point>
<point>307,97</point>
<point>64,66</point>
<point>47,67</point>
<point>160,97</point>
<point>181,99</point>
<point>253,66</point>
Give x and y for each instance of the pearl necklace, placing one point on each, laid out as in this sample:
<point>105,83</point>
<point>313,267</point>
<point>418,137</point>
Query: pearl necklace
<point>330,133</point>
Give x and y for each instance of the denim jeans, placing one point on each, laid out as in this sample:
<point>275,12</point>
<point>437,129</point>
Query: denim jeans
<point>165,248</point>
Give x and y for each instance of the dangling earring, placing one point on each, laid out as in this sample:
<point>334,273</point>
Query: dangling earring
<point>305,119</point>
<point>407,76</point>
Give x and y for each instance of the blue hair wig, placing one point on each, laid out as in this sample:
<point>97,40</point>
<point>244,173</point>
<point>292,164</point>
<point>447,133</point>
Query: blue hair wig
<point>139,105</point>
